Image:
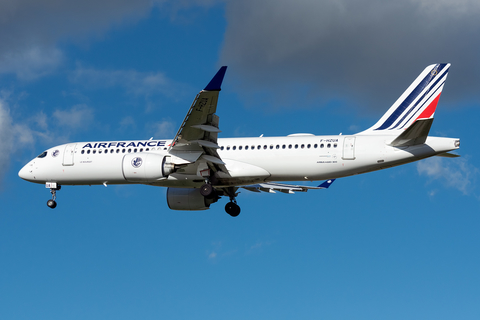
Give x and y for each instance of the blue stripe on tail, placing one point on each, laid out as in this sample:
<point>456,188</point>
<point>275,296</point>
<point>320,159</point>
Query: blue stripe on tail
<point>411,97</point>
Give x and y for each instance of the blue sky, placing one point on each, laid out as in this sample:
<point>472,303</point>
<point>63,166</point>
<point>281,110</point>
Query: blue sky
<point>394,244</point>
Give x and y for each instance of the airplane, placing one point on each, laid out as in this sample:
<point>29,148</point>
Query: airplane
<point>198,168</point>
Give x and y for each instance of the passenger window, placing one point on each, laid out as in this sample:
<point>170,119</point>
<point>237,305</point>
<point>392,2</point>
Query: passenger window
<point>123,150</point>
<point>221,148</point>
<point>329,145</point>
<point>334,145</point>
<point>321,145</point>
<point>296,146</point>
<point>148,149</point>
<point>246,147</point>
<point>278,146</point>
<point>129,150</point>
<point>265,147</point>
<point>289,146</point>
<point>83,151</point>
<point>240,148</point>
<point>308,146</point>
<point>234,147</point>
<point>315,146</point>
<point>134,150</point>
<point>88,151</point>
<point>283,146</point>
<point>228,147</point>
<point>303,146</point>
<point>259,147</point>
<point>271,146</point>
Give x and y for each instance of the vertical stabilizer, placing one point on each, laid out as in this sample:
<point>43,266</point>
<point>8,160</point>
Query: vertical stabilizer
<point>419,101</point>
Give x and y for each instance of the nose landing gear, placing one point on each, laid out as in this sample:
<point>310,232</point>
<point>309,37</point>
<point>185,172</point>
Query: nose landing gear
<point>53,190</point>
<point>52,203</point>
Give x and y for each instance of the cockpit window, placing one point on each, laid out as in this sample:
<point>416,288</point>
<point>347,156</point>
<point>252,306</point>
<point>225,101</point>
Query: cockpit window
<point>42,155</point>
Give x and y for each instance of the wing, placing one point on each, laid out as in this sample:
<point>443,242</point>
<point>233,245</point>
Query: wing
<point>196,138</point>
<point>285,188</point>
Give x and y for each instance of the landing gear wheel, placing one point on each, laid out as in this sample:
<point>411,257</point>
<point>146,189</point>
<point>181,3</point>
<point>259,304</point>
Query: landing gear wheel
<point>51,203</point>
<point>206,189</point>
<point>232,209</point>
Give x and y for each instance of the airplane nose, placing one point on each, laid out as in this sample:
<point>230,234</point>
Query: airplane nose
<point>26,173</point>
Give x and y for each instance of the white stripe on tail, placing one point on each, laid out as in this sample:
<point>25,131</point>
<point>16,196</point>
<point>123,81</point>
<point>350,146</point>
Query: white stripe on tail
<point>419,101</point>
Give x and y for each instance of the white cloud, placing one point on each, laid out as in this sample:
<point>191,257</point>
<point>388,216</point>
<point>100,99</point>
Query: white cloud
<point>133,82</point>
<point>30,30</point>
<point>162,129</point>
<point>368,51</point>
<point>127,123</point>
<point>258,247</point>
<point>13,137</point>
<point>455,173</point>
<point>6,138</point>
<point>76,117</point>
<point>31,63</point>
<point>17,137</point>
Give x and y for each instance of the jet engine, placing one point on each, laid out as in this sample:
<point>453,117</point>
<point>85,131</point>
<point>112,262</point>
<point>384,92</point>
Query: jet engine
<point>146,167</point>
<point>188,199</point>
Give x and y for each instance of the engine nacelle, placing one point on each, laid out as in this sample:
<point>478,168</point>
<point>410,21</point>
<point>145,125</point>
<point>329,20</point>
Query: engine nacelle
<point>145,167</point>
<point>187,199</point>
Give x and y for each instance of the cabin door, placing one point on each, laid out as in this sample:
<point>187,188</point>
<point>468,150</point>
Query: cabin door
<point>349,148</point>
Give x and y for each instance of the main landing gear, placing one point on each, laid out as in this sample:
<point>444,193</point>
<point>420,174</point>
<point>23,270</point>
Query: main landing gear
<point>206,189</point>
<point>232,208</point>
<point>53,190</point>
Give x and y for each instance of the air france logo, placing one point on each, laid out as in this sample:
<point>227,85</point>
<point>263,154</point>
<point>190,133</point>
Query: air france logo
<point>55,153</point>
<point>137,162</point>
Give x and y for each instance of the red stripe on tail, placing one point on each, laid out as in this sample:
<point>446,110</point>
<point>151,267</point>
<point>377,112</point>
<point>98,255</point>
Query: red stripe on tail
<point>430,110</point>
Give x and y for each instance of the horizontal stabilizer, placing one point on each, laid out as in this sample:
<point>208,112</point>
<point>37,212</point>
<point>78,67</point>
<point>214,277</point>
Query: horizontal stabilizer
<point>415,134</point>
<point>326,184</point>
<point>448,155</point>
<point>285,188</point>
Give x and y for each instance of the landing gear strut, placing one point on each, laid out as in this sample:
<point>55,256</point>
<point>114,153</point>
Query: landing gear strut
<point>232,207</point>
<point>53,190</point>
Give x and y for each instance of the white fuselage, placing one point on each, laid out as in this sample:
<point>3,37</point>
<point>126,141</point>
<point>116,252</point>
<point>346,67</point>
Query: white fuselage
<point>248,160</point>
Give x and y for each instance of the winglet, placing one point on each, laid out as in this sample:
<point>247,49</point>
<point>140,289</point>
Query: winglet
<point>216,82</point>
<point>326,184</point>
